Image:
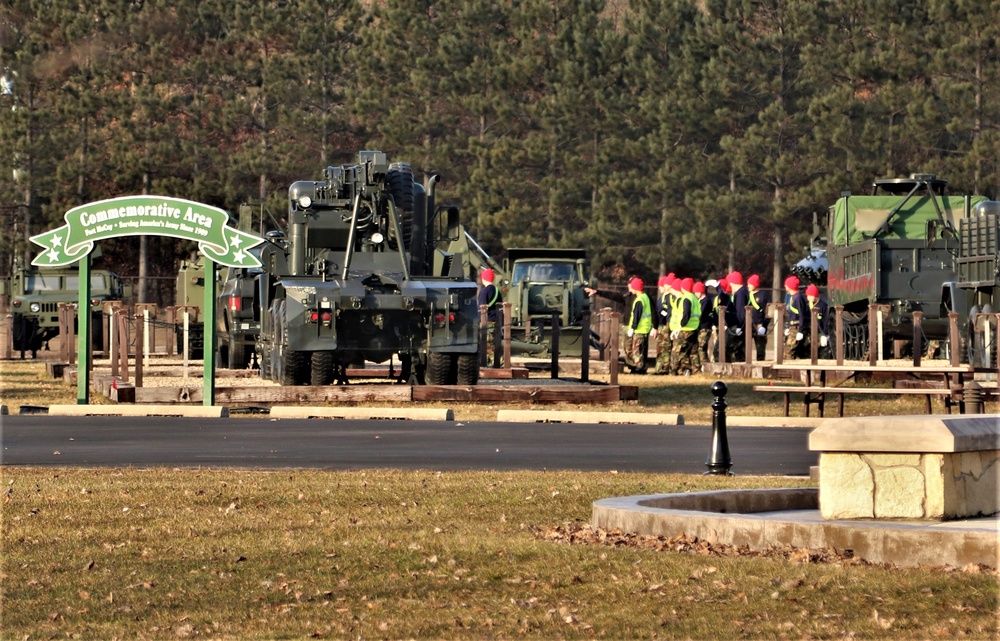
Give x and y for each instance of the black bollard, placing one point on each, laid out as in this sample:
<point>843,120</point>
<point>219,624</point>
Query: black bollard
<point>719,461</point>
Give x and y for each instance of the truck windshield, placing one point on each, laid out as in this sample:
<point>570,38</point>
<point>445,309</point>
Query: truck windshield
<point>96,282</point>
<point>542,271</point>
<point>40,283</point>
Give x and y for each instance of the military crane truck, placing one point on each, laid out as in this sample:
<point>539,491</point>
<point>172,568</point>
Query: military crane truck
<point>348,282</point>
<point>895,247</point>
<point>537,281</point>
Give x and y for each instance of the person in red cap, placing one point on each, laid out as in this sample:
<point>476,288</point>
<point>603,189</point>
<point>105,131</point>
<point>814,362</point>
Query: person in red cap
<point>795,307</point>
<point>489,295</point>
<point>758,299</point>
<point>820,308</point>
<point>684,321</point>
<point>638,325</point>
<point>661,322</point>
<point>707,321</point>
<point>736,315</point>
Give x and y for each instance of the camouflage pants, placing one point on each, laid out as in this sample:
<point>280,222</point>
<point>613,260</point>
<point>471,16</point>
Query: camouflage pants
<point>793,348</point>
<point>704,336</point>
<point>635,350</point>
<point>490,347</point>
<point>663,347</point>
<point>684,352</point>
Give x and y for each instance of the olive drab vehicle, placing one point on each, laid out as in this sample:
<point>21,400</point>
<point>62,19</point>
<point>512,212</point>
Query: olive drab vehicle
<point>895,247</point>
<point>349,282</point>
<point>977,288</point>
<point>35,295</point>
<point>538,282</point>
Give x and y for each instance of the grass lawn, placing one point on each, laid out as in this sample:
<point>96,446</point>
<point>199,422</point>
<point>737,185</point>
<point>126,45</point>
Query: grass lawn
<point>226,554</point>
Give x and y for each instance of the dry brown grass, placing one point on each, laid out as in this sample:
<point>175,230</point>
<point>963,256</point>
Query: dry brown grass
<point>220,554</point>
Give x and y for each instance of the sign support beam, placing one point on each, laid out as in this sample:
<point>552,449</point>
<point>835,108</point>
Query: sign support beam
<point>208,334</point>
<point>83,332</point>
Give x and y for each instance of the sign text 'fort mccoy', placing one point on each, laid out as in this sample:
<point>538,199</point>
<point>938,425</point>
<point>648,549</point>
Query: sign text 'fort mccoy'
<point>146,215</point>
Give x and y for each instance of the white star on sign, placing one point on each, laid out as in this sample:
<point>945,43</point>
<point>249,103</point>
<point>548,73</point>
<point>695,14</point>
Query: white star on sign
<point>239,256</point>
<point>235,241</point>
<point>53,255</point>
<point>56,241</point>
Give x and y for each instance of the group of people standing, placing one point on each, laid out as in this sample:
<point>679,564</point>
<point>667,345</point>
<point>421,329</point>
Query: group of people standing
<point>686,312</point>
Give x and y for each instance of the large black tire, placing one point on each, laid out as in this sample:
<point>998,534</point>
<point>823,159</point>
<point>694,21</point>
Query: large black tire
<point>400,181</point>
<point>468,369</point>
<point>237,356</point>
<point>25,334</point>
<point>979,352</point>
<point>321,368</point>
<point>440,369</point>
<point>292,366</point>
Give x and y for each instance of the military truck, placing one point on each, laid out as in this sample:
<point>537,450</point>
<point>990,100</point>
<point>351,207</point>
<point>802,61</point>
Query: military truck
<point>539,282</point>
<point>895,247</point>
<point>236,314</point>
<point>349,282</point>
<point>35,294</point>
<point>977,288</point>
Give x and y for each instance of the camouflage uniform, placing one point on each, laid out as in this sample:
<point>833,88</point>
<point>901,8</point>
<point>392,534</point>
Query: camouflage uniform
<point>664,347</point>
<point>683,354</point>
<point>635,351</point>
<point>704,338</point>
<point>792,346</point>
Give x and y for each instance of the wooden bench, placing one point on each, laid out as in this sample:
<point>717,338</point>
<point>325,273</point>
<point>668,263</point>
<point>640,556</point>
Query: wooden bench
<point>817,395</point>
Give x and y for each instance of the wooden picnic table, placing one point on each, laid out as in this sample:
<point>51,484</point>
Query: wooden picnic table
<point>817,374</point>
<point>816,386</point>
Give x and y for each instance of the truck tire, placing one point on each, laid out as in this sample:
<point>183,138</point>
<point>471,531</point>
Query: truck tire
<point>321,368</point>
<point>440,369</point>
<point>400,181</point>
<point>468,369</point>
<point>292,366</point>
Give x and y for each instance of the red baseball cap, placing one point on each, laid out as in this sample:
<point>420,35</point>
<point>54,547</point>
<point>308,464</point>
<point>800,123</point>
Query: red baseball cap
<point>812,290</point>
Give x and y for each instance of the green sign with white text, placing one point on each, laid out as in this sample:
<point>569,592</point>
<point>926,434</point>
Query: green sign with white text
<point>146,216</point>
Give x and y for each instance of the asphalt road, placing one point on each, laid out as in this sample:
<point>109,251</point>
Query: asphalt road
<point>260,442</point>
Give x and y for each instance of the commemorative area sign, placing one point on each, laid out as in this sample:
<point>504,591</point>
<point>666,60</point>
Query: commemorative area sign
<point>145,216</point>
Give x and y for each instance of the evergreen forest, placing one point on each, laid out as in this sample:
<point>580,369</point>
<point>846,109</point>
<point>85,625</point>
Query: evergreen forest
<point>692,136</point>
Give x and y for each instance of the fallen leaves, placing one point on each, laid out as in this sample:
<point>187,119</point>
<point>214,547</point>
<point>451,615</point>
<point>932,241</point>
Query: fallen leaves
<point>579,533</point>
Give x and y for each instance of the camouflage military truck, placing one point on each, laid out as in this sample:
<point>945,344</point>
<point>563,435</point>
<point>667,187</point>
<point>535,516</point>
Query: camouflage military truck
<point>895,247</point>
<point>349,282</point>
<point>35,295</point>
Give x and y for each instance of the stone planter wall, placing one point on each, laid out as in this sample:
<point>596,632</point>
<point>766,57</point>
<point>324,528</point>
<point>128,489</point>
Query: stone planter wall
<point>912,467</point>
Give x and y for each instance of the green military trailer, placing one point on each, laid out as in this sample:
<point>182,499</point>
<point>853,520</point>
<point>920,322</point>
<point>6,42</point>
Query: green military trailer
<point>895,247</point>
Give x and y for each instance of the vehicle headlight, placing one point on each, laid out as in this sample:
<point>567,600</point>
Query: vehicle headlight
<point>35,308</point>
<point>305,202</point>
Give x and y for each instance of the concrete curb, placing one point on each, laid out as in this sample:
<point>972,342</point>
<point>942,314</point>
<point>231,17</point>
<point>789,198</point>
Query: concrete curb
<point>555,416</point>
<point>415,414</point>
<point>195,411</point>
<point>761,519</point>
<point>772,421</point>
